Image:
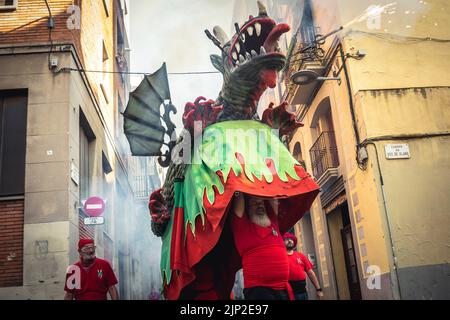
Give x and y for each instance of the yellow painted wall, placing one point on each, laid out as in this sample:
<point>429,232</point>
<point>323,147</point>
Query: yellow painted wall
<point>416,188</point>
<point>398,56</point>
<point>400,87</point>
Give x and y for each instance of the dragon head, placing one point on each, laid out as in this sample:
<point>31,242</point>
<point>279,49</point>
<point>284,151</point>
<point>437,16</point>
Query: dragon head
<point>249,61</point>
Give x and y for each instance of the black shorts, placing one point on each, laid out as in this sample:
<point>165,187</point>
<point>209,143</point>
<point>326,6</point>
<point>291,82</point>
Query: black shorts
<point>298,286</point>
<point>265,293</point>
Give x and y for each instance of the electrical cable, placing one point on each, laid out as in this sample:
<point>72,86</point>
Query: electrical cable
<point>50,27</point>
<point>397,38</point>
<point>137,73</point>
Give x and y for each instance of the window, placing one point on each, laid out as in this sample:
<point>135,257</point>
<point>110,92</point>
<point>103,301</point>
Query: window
<point>8,4</point>
<point>105,95</point>
<point>105,76</point>
<point>105,164</point>
<point>119,117</point>
<point>324,154</point>
<point>297,153</point>
<point>106,6</point>
<point>125,7</point>
<point>105,51</point>
<point>307,31</point>
<point>13,131</point>
<point>121,57</point>
<point>86,140</point>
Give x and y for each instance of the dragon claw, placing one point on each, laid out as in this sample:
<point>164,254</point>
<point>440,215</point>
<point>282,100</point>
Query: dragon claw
<point>280,118</point>
<point>201,110</point>
<point>157,207</point>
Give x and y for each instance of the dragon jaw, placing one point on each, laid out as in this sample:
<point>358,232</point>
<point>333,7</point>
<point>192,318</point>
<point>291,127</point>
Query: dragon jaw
<point>250,62</point>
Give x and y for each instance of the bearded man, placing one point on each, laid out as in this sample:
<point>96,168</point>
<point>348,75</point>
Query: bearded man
<point>299,267</point>
<point>258,240</point>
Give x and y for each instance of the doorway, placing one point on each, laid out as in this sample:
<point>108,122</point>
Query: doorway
<point>343,253</point>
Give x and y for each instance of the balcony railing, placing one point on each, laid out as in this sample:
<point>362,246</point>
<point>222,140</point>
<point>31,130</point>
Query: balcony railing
<point>142,187</point>
<point>324,154</point>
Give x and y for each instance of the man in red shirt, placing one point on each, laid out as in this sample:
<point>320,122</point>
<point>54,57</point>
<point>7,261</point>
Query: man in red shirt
<point>258,240</point>
<point>299,267</point>
<point>90,278</point>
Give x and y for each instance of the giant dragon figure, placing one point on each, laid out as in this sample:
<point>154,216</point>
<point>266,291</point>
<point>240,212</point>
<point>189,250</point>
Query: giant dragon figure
<point>190,213</point>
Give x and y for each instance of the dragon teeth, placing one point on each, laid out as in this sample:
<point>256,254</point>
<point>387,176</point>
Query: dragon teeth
<point>250,31</point>
<point>238,47</point>
<point>262,50</point>
<point>234,55</point>
<point>254,54</point>
<point>243,37</point>
<point>241,58</point>
<point>248,56</point>
<point>258,29</point>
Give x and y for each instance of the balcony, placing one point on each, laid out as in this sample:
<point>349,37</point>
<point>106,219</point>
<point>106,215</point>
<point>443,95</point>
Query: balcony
<point>324,159</point>
<point>143,187</point>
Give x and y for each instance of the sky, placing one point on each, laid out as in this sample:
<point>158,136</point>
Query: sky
<point>172,31</point>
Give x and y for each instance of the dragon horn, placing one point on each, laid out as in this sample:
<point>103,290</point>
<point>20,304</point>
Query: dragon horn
<point>262,9</point>
<point>220,35</point>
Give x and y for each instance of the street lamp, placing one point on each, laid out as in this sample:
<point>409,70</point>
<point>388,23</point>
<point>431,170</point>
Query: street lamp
<point>306,76</point>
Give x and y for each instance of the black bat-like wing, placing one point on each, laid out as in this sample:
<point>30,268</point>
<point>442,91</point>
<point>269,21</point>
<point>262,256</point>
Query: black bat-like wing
<point>142,119</point>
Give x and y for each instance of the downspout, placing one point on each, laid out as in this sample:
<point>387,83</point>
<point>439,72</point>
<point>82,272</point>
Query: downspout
<point>350,99</point>
<point>396,293</point>
<point>371,141</point>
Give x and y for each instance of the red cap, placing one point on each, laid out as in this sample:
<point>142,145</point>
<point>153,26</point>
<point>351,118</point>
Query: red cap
<point>84,242</point>
<point>289,235</point>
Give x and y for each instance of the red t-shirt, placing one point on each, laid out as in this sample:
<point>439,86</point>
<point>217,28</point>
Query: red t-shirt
<point>94,281</point>
<point>264,259</point>
<point>298,266</point>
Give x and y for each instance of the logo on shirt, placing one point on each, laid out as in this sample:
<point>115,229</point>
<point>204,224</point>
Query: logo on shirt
<point>299,261</point>
<point>100,273</point>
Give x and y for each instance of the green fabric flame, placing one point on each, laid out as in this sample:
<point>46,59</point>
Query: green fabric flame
<point>254,141</point>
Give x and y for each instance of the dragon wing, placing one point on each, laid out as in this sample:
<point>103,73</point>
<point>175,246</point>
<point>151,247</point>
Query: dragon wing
<point>143,120</point>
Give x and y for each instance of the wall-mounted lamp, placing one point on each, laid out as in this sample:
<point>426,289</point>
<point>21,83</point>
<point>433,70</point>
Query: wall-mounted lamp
<point>306,76</point>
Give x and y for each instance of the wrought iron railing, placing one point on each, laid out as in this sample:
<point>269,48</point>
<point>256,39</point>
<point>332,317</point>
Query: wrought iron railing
<point>142,187</point>
<point>324,154</point>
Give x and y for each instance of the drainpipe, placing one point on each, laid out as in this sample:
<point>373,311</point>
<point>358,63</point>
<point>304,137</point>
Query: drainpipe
<point>395,277</point>
<point>350,98</point>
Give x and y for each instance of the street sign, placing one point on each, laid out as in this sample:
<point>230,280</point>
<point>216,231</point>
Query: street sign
<point>94,221</point>
<point>397,151</point>
<point>74,173</point>
<point>94,206</point>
